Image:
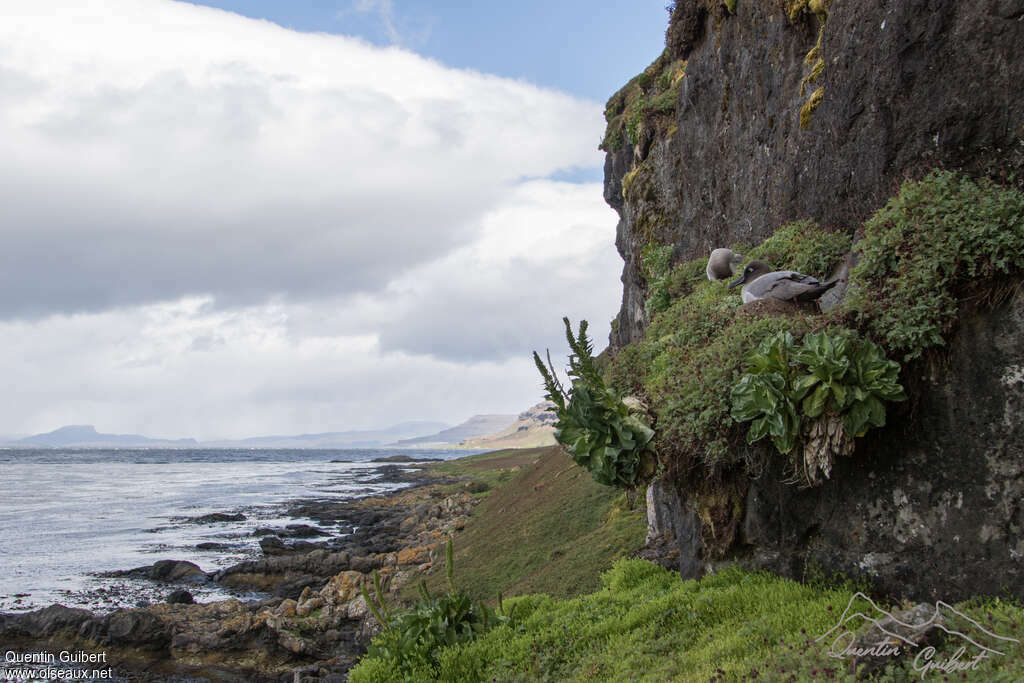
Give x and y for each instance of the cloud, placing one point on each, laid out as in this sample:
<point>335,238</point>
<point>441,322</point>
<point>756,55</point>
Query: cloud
<point>217,227</point>
<point>189,369</point>
<point>155,150</point>
<point>546,251</point>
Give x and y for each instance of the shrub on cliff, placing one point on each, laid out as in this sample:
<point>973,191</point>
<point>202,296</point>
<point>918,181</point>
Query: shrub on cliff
<point>941,239</point>
<point>604,434</point>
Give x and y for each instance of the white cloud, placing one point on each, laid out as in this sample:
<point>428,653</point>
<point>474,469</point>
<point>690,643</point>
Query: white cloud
<point>215,226</point>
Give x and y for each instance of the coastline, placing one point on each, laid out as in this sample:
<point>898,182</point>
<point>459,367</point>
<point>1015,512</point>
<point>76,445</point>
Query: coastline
<point>314,622</point>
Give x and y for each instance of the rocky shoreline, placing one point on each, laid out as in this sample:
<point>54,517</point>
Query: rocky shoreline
<point>312,625</point>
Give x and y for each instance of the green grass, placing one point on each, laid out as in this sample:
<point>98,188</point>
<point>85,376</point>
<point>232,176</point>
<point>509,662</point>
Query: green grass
<point>481,473</point>
<point>647,624</point>
<point>547,527</point>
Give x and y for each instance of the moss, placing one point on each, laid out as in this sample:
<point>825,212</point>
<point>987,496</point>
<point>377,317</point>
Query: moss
<point>807,111</point>
<point>648,97</point>
<point>720,509</point>
<point>627,180</point>
<point>805,247</point>
<point>813,76</point>
<point>939,240</point>
<point>797,9</point>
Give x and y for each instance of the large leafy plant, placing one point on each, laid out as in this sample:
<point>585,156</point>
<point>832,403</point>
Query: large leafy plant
<point>603,433</point>
<point>848,376</point>
<point>412,639</point>
<point>764,395</point>
<point>821,395</point>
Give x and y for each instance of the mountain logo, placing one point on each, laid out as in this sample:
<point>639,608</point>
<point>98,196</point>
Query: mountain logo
<point>894,634</point>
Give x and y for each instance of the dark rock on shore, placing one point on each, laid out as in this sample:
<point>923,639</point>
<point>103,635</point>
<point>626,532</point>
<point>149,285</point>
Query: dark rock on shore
<point>218,517</point>
<point>404,458</point>
<point>301,531</point>
<point>43,623</point>
<point>180,597</point>
<point>169,571</point>
<point>272,545</point>
<point>212,546</point>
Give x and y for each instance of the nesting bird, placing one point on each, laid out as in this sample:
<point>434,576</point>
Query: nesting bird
<point>722,263</point>
<point>761,282</point>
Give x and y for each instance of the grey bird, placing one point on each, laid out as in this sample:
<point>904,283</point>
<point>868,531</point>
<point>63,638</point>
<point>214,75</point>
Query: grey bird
<point>722,263</point>
<point>761,282</point>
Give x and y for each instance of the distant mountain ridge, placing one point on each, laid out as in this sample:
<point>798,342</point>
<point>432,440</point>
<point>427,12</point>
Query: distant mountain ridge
<point>478,425</point>
<point>416,434</point>
<point>533,428</point>
<point>86,435</point>
<point>366,438</point>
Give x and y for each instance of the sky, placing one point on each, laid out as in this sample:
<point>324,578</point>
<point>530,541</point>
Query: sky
<point>247,218</point>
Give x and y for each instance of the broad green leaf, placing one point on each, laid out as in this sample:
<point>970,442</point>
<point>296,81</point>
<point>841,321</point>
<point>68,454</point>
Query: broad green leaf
<point>814,405</point>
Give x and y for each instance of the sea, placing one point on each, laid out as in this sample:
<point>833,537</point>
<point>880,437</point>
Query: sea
<point>67,515</point>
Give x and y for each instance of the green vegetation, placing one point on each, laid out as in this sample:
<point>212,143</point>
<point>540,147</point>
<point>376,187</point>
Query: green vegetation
<point>649,96</point>
<point>693,352</point>
<point>604,434</point>
<point>546,526</point>
<point>481,473</point>
<point>803,246</point>
<point>646,623</point>
<point>411,640</point>
<point>940,241</point>
<point>826,393</point>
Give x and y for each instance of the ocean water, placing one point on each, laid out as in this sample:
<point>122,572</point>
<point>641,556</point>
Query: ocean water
<point>66,514</point>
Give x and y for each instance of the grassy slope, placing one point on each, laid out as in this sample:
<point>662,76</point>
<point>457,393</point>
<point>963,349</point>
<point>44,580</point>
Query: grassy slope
<point>545,526</point>
<point>647,624</point>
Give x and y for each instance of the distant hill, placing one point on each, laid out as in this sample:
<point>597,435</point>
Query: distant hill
<point>87,436</point>
<point>478,425</point>
<point>371,438</point>
<point>533,428</point>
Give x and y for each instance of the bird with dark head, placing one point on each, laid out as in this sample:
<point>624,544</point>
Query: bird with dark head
<point>761,282</point>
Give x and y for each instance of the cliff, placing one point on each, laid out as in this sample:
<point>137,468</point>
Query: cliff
<point>535,427</point>
<point>709,138</point>
<point>758,114</point>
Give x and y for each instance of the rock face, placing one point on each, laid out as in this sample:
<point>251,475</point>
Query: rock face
<point>535,427</point>
<point>907,86</point>
<point>930,506</point>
